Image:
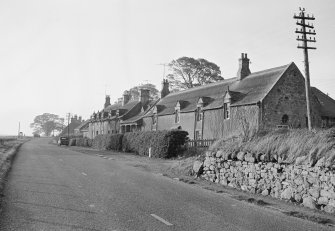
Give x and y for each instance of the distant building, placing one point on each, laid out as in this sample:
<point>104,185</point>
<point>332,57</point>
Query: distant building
<point>82,129</point>
<point>123,116</point>
<point>74,123</point>
<point>266,99</point>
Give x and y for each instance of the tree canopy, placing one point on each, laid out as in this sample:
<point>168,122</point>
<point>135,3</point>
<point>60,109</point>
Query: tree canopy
<point>47,123</point>
<point>135,91</point>
<point>188,72</point>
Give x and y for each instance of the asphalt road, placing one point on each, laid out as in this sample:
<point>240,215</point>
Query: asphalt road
<point>53,188</point>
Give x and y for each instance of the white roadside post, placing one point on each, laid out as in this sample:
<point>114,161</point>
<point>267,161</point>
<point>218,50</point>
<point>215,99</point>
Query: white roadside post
<point>149,152</point>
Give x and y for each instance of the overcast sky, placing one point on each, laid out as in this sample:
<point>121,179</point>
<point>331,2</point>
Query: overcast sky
<point>60,56</point>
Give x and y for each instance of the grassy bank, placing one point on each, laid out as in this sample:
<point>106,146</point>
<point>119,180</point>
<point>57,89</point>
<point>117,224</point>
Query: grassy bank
<point>290,146</point>
<point>8,149</point>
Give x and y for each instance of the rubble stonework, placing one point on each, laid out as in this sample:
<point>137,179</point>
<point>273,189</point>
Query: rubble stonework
<point>314,187</point>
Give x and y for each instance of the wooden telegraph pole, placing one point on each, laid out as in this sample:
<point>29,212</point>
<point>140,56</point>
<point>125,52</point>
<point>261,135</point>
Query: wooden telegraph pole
<point>301,21</point>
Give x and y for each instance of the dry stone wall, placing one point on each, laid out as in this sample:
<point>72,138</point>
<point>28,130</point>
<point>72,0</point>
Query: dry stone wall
<point>314,187</point>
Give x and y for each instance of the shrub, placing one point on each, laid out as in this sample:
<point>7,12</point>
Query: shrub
<point>108,142</point>
<point>72,142</point>
<point>163,144</point>
<point>84,142</point>
<point>99,142</point>
<point>114,142</point>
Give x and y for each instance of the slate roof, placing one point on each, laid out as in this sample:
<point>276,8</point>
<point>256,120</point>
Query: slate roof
<point>327,104</point>
<point>113,107</point>
<point>139,116</point>
<point>250,90</point>
<point>83,126</point>
<point>130,105</point>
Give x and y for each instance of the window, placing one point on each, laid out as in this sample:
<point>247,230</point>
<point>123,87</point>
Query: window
<point>284,119</point>
<point>226,110</point>
<point>199,114</point>
<point>154,119</point>
<point>97,132</point>
<point>177,116</point>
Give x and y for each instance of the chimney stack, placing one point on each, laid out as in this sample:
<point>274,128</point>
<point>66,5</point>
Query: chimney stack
<point>107,101</point>
<point>126,97</point>
<point>144,96</point>
<point>243,68</point>
<point>165,88</point>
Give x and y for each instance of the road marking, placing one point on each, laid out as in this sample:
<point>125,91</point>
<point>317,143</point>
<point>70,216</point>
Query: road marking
<point>110,158</point>
<point>60,159</point>
<point>161,219</point>
<point>84,174</point>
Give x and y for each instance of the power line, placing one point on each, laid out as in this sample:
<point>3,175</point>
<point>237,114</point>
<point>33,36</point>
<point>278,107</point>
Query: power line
<point>302,21</point>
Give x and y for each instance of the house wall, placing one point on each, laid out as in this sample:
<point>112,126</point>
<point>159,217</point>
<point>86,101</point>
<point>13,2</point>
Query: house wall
<point>102,127</point>
<point>167,122</point>
<point>146,124</point>
<point>187,123</point>
<point>288,97</point>
<point>243,120</point>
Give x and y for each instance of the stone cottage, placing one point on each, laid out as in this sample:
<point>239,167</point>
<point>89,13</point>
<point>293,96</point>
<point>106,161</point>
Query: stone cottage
<point>267,99</point>
<point>123,116</point>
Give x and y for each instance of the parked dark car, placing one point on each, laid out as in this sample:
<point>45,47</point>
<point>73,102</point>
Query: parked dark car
<point>63,141</point>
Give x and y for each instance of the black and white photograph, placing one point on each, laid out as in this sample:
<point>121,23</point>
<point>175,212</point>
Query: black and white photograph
<point>167,115</point>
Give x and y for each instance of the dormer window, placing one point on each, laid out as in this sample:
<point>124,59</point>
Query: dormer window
<point>154,119</point>
<point>199,114</point>
<point>226,111</point>
<point>177,113</point>
<point>200,105</point>
<point>226,105</point>
<point>177,116</point>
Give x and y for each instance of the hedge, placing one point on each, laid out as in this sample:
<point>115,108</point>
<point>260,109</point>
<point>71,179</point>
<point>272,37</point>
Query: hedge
<point>164,144</point>
<point>84,142</point>
<point>108,142</point>
<point>72,142</point>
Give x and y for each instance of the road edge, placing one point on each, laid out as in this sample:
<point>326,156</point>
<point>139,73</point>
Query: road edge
<point>6,164</point>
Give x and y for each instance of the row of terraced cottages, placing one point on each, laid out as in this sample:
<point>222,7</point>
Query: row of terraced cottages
<point>270,98</point>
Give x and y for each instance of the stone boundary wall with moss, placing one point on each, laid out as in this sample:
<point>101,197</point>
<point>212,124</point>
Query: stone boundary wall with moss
<point>314,187</point>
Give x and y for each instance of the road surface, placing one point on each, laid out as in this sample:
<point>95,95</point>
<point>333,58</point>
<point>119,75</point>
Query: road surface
<point>54,188</point>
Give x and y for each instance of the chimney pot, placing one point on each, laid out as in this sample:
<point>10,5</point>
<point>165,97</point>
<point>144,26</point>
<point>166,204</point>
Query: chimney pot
<point>144,96</point>
<point>243,69</point>
<point>165,88</point>
<point>126,97</point>
<point>107,101</point>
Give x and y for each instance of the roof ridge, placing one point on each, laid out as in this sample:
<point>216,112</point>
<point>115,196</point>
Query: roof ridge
<point>269,69</point>
<point>201,86</point>
<point>226,80</point>
<point>324,94</point>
